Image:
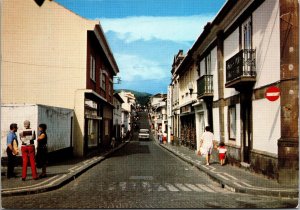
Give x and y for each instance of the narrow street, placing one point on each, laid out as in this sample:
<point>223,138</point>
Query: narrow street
<point>143,175</point>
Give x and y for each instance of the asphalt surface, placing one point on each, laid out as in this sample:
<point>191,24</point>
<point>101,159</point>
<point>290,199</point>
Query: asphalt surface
<point>143,175</point>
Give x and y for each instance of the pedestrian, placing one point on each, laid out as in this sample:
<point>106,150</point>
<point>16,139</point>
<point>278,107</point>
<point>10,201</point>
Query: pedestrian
<point>27,137</point>
<point>113,142</point>
<point>12,150</point>
<point>42,150</point>
<point>222,153</point>
<point>206,143</point>
<point>164,137</point>
<point>160,136</point>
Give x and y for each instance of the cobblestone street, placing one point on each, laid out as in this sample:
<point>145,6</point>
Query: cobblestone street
<point>143,175</point>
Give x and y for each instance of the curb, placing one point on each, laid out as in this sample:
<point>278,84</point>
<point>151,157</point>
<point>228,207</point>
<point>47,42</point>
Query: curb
<point>64,179</point>
<point>290,193</point>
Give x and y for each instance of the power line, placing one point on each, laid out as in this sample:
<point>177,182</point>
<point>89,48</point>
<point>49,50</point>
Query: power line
<point>33,64</point>
<point>71,67</point>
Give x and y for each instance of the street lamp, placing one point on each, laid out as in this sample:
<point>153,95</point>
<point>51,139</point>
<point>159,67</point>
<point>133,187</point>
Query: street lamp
<point>191,89</point>
<point>118,80</point>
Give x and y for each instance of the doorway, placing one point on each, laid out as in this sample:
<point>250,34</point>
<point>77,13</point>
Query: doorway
<point>246,123</point>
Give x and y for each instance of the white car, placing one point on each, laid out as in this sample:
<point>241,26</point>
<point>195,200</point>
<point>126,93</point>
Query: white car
<point>144,134</point>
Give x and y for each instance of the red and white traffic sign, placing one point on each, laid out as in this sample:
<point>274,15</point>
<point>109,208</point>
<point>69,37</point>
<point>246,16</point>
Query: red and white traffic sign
<point>272,93</point>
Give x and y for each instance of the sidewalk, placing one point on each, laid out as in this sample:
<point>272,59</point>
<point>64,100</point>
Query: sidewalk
<point>231,177</point>
<point>57,175</point>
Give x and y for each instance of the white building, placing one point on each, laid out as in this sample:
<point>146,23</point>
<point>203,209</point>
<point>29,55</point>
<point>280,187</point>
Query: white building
<point>248,47</point>
<point>117,116</point>
<point>158,112</point>
<point>127,108</point>
<point>58,121</point>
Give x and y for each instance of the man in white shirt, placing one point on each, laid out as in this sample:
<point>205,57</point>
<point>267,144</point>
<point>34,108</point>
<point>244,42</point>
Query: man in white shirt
<point>27,136</point>
<point>207,143</point>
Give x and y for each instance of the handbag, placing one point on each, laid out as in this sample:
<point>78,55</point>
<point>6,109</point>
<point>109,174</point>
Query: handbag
<point>15,150</point>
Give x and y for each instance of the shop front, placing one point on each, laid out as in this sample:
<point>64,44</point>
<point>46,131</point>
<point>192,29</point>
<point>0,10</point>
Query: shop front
<point>92,121</point>
<point>187,126</point>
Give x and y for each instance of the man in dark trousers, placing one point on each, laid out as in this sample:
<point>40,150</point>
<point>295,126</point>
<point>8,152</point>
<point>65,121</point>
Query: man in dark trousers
<point>11,153</point>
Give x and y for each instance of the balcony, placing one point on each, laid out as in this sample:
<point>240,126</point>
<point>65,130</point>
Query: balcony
<point>241,69</point>
<point>205,86</point>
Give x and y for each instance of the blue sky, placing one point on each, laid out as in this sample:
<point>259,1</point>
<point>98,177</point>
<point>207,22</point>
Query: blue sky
<point>144,35</point>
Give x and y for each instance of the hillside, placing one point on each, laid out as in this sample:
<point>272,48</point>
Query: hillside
<point>141,97</point>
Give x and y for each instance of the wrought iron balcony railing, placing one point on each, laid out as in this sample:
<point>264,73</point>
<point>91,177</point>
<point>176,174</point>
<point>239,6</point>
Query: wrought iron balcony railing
<point>241,68</point>
<point>205,86</point>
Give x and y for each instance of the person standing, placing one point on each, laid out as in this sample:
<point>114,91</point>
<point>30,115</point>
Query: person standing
<point>206,144</point>
<point>27,137</point>
<point>12,150</point>
<point>164,138</point>
<point>42,150</point>
<point>160,136</point>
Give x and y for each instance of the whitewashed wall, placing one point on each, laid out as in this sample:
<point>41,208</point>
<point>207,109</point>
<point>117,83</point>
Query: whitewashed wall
<point>199,125</point>
<point>117,112</point>
<point>58,121</point>
<point>266,126</point>
<point>216,123</point>
<point>266,36</point>
<point>214,72</point>
<point>231,47</point>
<point>16,114</point>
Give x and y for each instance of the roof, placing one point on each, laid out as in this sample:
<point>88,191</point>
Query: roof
<point>159,95</point>
<point>227,7</point>
<point>118,97</point>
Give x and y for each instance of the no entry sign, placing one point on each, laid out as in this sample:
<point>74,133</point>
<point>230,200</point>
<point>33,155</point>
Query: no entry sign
<point>272,93</point>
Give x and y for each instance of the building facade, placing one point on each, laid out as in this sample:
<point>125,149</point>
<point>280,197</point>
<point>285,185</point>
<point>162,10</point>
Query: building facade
<point>117,117</point>
<point>66,64</point>
<point>158,112</point>
<point>249,47</point>
<point>127,110</point>
<point>184,85</point>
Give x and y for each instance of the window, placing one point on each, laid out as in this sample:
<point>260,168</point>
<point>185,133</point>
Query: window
<point>92,132</point>
<point>103,81</point>
<point>247,34</point>
<point>110,88</point>
<point>92,68</point>
<point>205,66</point>
<point>232,122</point>
<point>208,64</point>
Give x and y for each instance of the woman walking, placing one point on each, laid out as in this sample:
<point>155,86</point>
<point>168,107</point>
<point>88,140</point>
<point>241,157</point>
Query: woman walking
<point>42,150</point>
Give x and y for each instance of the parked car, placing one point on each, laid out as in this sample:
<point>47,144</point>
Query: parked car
<point>144,134</point>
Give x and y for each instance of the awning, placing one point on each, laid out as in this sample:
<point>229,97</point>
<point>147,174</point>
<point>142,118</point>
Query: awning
<point>92,95</point>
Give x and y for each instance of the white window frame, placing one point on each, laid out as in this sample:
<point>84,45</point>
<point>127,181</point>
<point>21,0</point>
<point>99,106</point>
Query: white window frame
<point>110,88</point>
<point>92,68</point>
<point>232,122</point>
<point>247,34</point>
<point>208,64</point>
<point>103,75</point>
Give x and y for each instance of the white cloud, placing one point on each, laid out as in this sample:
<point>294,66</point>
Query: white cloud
<point>134,67</point>
<point>177,29</point>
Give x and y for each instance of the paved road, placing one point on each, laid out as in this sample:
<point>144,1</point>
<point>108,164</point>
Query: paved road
<point>142,175</point>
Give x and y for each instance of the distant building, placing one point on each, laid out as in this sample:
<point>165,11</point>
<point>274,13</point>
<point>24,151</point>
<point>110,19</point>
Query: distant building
<point>117,117</point>
<point>128,107</point>
<point>158,112</point>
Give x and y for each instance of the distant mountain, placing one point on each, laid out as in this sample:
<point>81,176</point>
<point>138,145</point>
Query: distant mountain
<point>141,97</point>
